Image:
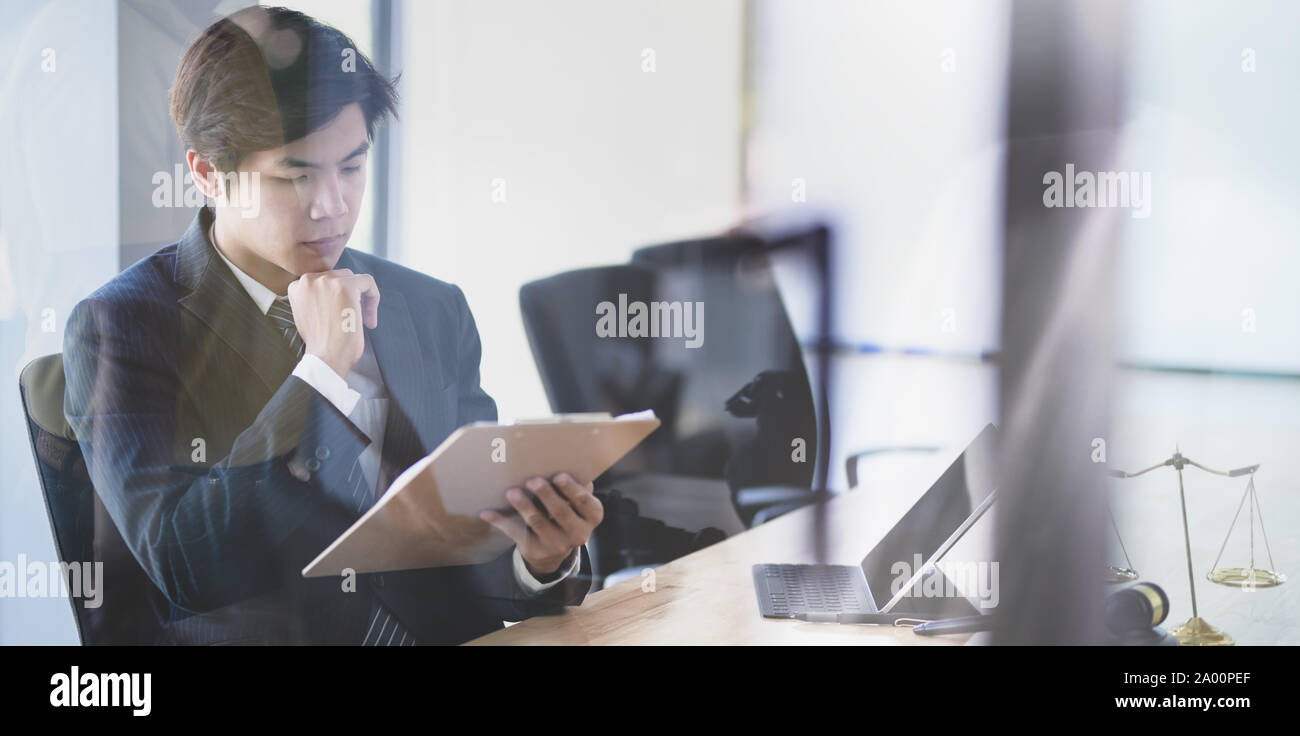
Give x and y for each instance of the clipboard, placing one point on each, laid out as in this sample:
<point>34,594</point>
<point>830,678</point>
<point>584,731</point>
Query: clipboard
<point>428,517</point>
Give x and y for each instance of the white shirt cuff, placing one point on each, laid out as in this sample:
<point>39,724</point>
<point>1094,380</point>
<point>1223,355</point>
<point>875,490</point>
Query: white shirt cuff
<point>530,584</point>
<point>317,374</point>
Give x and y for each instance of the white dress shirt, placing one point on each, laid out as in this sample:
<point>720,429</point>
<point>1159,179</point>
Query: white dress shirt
<point>363,398</point>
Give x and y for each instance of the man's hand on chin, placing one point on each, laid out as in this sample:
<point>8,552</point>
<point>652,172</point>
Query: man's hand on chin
<point>547,539</point>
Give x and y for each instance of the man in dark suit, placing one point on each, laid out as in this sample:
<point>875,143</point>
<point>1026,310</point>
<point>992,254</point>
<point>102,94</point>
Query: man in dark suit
<point>243,395</point>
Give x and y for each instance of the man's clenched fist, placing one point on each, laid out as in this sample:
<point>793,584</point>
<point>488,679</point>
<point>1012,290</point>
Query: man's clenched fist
<point>320,302</point>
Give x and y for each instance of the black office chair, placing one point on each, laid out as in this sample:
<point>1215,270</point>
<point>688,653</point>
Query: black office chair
<point>585,373</point>
<point>759,361</point>
<point>711,428</point>
<point>718,265</point>
<point>132,609</point>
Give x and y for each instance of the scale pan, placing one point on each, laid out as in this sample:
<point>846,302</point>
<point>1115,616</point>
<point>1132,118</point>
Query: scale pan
<point>1245,577</point>
<point>1116,574</point>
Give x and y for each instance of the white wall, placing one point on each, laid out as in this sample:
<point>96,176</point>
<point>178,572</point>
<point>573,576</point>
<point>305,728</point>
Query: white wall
<point>598,157</point>
<point>892,114</point>
<point>1222,148</point>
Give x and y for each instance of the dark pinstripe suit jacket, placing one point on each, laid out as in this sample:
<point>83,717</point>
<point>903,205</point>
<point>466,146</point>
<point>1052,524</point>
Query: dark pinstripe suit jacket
<point>173,351</point>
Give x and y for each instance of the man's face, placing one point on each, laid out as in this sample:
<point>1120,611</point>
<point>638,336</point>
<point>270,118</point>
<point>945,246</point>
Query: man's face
<point>310,196</point>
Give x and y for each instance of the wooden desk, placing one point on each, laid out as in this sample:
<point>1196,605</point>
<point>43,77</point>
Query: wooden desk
<point>708,597</point>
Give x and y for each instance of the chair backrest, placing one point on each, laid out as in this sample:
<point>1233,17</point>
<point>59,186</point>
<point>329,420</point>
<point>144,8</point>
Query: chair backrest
<point>583,372</point>
<point>83,532</point>
<point>745,331</point>
<point>559,318</point>
<point>748,332</point>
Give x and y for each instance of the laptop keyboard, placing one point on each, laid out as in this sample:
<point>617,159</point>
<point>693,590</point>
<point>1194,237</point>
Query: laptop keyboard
<point>785,590</point>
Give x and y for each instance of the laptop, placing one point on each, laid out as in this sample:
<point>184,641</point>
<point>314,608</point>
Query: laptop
<point>884,584</point>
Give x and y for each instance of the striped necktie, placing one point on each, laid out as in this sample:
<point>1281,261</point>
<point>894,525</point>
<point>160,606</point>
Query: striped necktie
<point>384,628</point>
<point>282,314</point>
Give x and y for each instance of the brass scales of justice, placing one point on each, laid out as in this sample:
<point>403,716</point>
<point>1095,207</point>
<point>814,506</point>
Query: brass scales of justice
<point>1196,631</point>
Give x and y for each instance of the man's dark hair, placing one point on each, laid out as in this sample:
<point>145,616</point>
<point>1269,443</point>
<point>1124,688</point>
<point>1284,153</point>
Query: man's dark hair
<point>266,76</point>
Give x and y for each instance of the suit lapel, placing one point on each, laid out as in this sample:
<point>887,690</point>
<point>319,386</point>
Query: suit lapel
<point>407,436</point>
<point>216,298</point>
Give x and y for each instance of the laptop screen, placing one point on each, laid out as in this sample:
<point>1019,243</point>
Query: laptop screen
<point>923,530</point>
